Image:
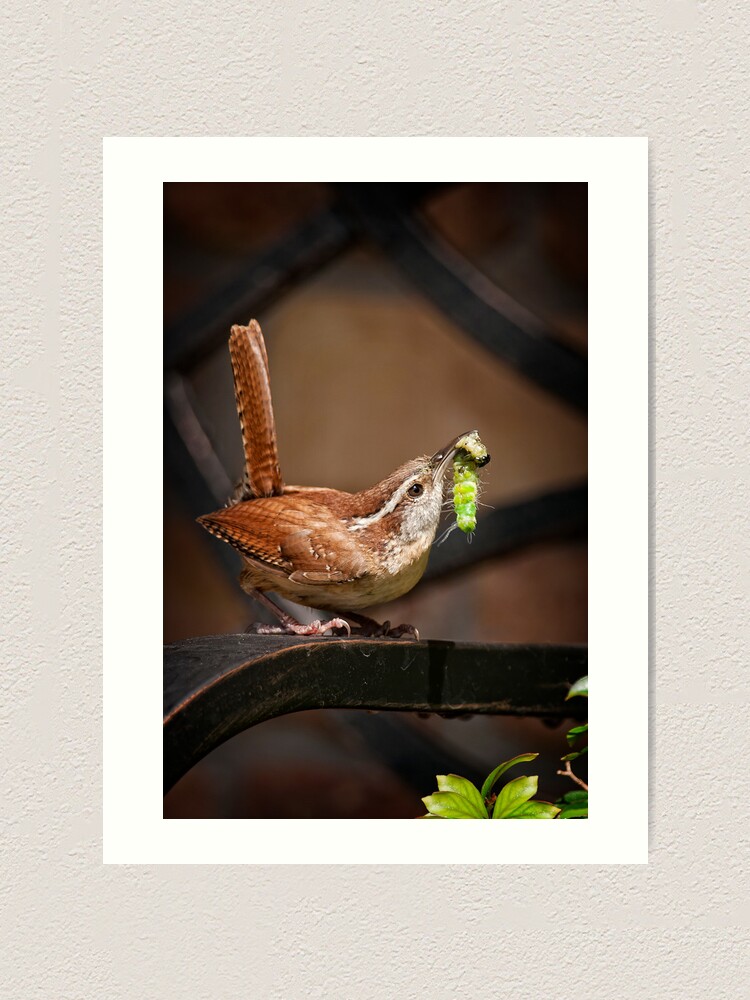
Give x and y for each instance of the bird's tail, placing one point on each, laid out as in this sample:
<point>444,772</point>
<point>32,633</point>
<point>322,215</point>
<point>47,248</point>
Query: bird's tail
<point>252,392</point>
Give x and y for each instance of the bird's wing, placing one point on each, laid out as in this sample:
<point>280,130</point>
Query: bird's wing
<point>309,546</point>
<point>321,557</point>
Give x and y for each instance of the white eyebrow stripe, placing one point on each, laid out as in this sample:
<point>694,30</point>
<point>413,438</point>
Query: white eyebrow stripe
<point>387,508</point>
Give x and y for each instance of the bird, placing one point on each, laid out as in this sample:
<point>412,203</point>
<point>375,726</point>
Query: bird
<point>321,547</point>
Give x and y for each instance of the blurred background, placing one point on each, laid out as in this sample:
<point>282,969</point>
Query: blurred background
<point>395,318</point>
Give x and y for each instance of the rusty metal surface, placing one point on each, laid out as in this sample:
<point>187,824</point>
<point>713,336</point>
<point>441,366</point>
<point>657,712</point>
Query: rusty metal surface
<point>217,686</point>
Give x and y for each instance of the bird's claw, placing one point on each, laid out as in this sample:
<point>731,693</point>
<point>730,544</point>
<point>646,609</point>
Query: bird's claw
<point>403,629</point>
<point>321,627</point>
<point>294,628</point>
<point>384,631</point>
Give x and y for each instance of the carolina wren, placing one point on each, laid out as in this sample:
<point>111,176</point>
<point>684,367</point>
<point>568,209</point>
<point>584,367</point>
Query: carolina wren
<point>340,552</point>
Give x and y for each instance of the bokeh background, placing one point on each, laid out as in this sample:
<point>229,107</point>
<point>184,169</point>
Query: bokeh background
<point>367,372</point>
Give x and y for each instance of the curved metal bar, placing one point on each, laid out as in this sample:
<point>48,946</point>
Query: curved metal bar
<point>258,282</point>
<point>556,516</point>
<point>486,313</point>
<point>217,686</point>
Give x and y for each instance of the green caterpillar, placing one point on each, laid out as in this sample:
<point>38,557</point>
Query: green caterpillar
<point>465,486</point>
<point>472,455</point>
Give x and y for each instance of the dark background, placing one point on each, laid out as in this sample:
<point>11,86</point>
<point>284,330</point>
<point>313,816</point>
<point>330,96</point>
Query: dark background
<point>368,369</point>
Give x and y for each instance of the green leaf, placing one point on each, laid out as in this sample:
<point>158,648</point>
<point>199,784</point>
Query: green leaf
<point>451,805</point>
<point>574,805</point>
<point>534,810</point>
<point>581,687</point>
<point>501,769</point>
<point>575,797</point>
<point>572,734</point>
<point>575,754</point>
<point>574,812</point>
<point>514,794</point>
<point>462,786</point>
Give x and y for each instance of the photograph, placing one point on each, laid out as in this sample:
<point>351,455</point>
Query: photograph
<point>375,516</point>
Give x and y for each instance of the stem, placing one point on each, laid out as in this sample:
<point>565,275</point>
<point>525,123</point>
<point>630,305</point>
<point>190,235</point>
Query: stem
<point>574,777</point>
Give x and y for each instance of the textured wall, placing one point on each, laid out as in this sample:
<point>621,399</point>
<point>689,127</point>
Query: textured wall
<point>671,71</point>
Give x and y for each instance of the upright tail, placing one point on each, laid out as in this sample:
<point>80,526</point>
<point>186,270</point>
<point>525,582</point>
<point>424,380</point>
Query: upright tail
<point>252,391</point>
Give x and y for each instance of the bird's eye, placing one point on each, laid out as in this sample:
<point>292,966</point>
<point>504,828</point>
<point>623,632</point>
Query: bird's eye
<point>416,490</point>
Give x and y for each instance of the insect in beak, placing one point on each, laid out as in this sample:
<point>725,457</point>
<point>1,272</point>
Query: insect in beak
<point>443,458</point>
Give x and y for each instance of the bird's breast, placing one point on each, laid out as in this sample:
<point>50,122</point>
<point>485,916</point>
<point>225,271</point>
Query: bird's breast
<point>396,577</point>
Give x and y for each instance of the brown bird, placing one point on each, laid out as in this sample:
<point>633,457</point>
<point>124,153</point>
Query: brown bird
<point>323,548</point>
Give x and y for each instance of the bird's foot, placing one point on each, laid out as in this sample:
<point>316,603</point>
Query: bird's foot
<point>403,629</point>
<point>295,628</point>
<point>370,629</point>
<point>320,628</point>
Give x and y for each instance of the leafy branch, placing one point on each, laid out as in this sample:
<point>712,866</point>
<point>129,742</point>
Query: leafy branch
<point>459,798</point>
<point>575,805</point>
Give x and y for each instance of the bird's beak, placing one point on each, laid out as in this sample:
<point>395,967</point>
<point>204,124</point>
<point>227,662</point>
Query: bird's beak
<point>443,458</point>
